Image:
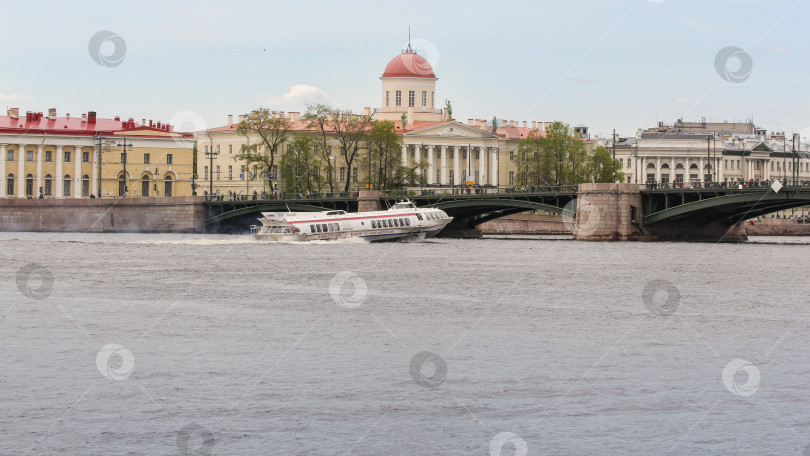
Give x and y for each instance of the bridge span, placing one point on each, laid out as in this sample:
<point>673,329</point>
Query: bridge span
<point>593,211</point>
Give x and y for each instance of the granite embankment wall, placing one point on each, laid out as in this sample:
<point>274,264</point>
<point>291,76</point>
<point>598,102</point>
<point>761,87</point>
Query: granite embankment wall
<point>176,214</point>
<point>525,223</point>
<point>777,227</point>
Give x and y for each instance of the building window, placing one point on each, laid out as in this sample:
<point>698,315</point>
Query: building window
<point>48,156</point>
<point>29,184</point>
<point>167,186</point>
<point>452,177</point>
<point>511,178</point>
<point>86,157</point>
<point>67,157</point>
<point>738,164</point>
<point>217,148</point>
<point>477,156</point>
<point>398,99</point>
<point>411,97</point>
<point>206,148</point>
<point>452,152</point>
<point>438,176</point>
<point>29,155</point>
<point>146,159</point>
<point>217,172</point>
<point>205,172</point>
<point>439,154</point>
<point>169,159</point>
<point>424,98</point>
<point>255,172</point>
<point>464,155</point>
<point>387,94</point>
<point>10,155</point>
<point>511,156</point>
<point>230,172</point>
<point>230,148</point>
<point>123,157</point>
<point>10,184</point>
<point>122,186</point>
<point>432,99</point>
<point>621,163</point>
<point>66,185</point>
<point>48,184</point>
<point>342,174</point>
<point>355,174</point>
<point>628,163</point>
<point>274,171</point>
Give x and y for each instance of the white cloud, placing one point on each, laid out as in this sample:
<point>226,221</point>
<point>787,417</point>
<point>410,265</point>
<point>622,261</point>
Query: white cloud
<point>298,97</point>
<point>14,98</point>
<point>688,101</point>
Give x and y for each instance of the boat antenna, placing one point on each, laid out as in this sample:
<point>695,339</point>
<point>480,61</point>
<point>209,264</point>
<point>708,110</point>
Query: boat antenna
<point>288,207</point>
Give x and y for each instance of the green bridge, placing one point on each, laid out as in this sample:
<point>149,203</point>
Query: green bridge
<point>671,212</point>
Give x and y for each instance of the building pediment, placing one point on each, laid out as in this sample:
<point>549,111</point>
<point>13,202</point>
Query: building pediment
<point>452,130</point>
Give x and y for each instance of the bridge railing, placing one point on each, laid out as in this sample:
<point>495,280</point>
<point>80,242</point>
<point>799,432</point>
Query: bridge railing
<point>395,193</point>
<point>739,184</point>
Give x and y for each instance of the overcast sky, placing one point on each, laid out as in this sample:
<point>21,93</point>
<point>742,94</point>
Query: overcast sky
<point>607,64</point>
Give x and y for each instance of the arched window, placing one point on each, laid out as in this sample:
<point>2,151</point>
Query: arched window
<point>679,166</point>
<point>29,185</point>
<point>122,185</point>
<point>665,166</point>
<point>48,185</point>
<point>693,166</point>
<point>85,185</point>
<point>651,166</point>
<point>145,185</point>
<point>66,185</point>
<point>167,185</point>
<point>10,185</point>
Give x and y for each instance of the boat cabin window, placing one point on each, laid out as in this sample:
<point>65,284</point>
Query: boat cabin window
<point>373,224</point>
<point>311,228</point>
<point>336,213</point>
<point>335,227</point>
<point>385,223</point>
<point>408,221</point>
<point>324,227</point>
<point>396,223</point>
<point>318,227</point>
<point>419,216</point>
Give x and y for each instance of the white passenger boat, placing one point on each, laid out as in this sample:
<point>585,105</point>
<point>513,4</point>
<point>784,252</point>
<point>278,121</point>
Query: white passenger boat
<point>404,220</point>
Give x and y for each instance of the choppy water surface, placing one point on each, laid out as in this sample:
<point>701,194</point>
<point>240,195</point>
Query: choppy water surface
<point>169,344</point>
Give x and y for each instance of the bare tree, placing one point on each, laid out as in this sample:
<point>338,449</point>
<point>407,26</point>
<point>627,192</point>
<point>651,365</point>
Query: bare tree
<point>272,128</point>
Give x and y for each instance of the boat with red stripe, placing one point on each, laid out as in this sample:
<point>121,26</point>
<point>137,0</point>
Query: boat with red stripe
<point>402,221</point>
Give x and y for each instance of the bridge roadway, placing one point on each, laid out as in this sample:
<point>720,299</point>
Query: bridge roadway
<point>662,207</point>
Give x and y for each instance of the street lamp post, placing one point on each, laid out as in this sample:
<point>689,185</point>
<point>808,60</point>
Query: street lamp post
<point>124,162</point>
<point>210,155</point>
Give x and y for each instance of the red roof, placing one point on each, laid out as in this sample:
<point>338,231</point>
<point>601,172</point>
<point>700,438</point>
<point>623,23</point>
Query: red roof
<point>408,65</point>
<point>36,123</point>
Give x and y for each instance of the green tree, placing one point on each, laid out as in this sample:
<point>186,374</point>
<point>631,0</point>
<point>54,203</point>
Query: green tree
<point>272,129</point>
<point>601,167</point>
<point>318,118</point>
<point>300,165</point>
<point>384,159</point>
<point>494,125</point>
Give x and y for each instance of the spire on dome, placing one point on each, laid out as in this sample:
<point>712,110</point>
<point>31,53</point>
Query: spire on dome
<point>409,49</point>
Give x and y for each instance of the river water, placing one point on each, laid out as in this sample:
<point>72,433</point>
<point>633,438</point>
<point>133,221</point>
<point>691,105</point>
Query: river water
<point>189,344</point>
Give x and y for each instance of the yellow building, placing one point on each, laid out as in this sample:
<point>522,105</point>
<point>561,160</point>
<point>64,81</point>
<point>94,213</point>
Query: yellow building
<point>80,157</point>
<point>456,152</point>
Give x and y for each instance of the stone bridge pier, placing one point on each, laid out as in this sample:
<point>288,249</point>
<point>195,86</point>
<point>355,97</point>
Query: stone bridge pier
<point>607,212</point>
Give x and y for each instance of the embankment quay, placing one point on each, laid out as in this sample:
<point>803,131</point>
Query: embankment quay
<point>596,212</point>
